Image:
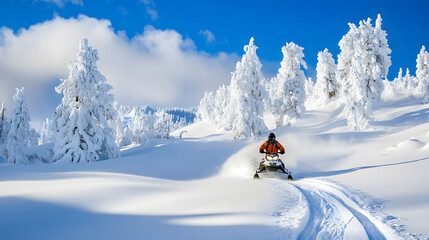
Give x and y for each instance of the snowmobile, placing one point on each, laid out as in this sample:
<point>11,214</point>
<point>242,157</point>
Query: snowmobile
<point>272,164</point>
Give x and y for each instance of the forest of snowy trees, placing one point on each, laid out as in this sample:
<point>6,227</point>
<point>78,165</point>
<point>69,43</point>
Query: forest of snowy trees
<point>356,82</point>
<point>88,124</point>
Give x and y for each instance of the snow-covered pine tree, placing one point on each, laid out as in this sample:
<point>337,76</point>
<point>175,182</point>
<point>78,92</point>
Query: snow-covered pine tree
<point>309,87</point>
<point>206,106</point>
<point>410,82</point>
<point>222,107</point>
<point>422,73</point>
<point>140,125</point>
<point>83,132</point>
<point>326,87</point>
<point>20,135</point>
<point>399,82</point>
<point>287,89</point>
<point>162,125</point>
<point>4,130</point>
<point>382,59</point>
<point>124,134</point>
<point>247,95</point>
<point>46,134</point>
<point>363,60</point>
<point>391,88</point>
<point>106,112</point>
<point>123,137</point>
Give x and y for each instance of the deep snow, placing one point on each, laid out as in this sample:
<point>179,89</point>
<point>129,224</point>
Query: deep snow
<point>349,185</point>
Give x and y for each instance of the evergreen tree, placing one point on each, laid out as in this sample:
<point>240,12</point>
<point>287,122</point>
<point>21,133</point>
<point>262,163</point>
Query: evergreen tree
<point>83,121</point>
<point>4,130</point>
<point>392,87</point>
<point>288,87</point>
<point>222,107</point>
<point>162,125</point>
<point>123,136</point>
<point>309,87</point>
<point>217,108</point>
<point>20,134</point>
<point>326,87</point>
<point>240,105</point>
<point>141,125</point>
<point>105,111</point>
<point>145,123</point>
<point>410,82</point>
<point>46,134</point>
<point>206,106</point>
<point>247,94</point>
<point>423,73</point>
<point>399,80</point>
<point>363,60</point>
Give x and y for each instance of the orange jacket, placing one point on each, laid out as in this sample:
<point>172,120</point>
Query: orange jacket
<point>271,147</point>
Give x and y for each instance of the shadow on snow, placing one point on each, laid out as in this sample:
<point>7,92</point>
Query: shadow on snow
<point>339,172</point>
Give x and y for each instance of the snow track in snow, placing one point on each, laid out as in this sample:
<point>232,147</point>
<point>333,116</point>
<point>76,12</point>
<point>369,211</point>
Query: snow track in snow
<point>329,213</point>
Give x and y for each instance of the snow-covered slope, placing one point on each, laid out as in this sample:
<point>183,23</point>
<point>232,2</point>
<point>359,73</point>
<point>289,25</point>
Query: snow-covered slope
<point>349,185</point>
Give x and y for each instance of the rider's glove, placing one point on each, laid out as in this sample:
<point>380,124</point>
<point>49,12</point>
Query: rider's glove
<point>282,152</point>
<point>261,151</point>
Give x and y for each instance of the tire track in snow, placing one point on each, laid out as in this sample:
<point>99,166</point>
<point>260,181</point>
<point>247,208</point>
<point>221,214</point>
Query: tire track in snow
<point>332,215</point>
<point>324,221</point>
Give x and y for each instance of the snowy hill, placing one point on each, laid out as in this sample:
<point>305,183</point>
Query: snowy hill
<point>349,185</point>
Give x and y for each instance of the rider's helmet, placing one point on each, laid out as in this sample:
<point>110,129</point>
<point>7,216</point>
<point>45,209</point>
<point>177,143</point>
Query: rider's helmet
<point>271,137</point>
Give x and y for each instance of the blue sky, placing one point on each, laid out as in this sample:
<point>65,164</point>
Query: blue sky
<point>208,35</point>
<point>311,24</point>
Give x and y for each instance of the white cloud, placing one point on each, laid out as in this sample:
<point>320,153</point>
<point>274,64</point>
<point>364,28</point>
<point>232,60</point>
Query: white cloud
<point>150,9</point>
<point>208,35</point>
<point>60,3</point>
<point>157,67</point>
<point>152,12</point>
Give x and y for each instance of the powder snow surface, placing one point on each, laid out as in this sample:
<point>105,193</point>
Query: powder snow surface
<point>372,184</point>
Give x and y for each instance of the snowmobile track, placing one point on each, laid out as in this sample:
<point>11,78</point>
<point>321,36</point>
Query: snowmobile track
<point>332,215</point>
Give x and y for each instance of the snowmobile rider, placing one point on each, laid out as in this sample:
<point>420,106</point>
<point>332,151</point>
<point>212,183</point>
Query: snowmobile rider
<point>271,146</point>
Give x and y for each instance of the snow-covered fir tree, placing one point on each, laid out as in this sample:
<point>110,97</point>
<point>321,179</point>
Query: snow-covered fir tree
<point>247,94</point>
<point>141,125</point>
<point>402,82</point>
<point>309,87</point>
<point>381,59</point>
<point>181,117</point>
<point>391,88</point>
<point>239,106</point>
<point>82,120</point>
<point>145,123</point>
<point>217,108</point>
<point>422,73</point>
<point>106,112</point>
<point>206,106</point>
<point>411,82</point>
<point>221,108</point>
<point>4,130</point>
<point>46,134</point>
<point>287,89</point>
<point>399,80</point>
<point>363,60</point>
<point>20,135</point>
<point>326,87</point>
<point>162,125</point>
<point>123,135</point>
